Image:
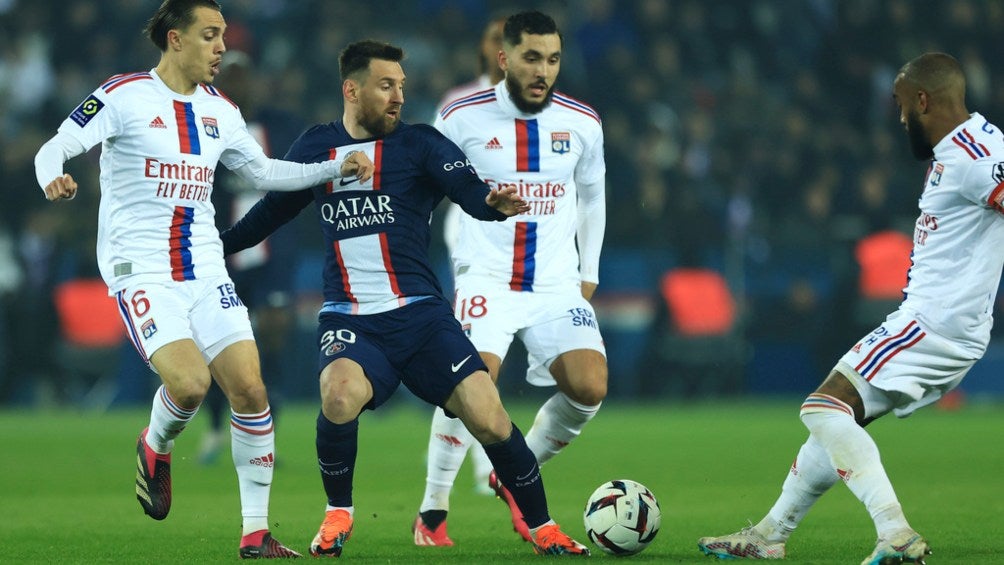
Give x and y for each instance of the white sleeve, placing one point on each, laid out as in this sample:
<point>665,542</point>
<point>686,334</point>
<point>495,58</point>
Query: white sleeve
<point>983,183</point>
<point>53,154</point>
<point>439,125</point>
<point>93,121</point>
<point>592,216</point>
<point>275,174</point>
<point>451,226</point>
<point>592,209</point>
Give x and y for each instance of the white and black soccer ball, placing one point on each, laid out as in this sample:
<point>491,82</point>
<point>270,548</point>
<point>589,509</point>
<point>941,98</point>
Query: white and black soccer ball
<point>622,517</point>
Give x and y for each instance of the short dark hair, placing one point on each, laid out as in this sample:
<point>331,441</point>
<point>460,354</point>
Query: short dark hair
<point>174,14</point>
<point>357,56</point>
<point>532,22</point>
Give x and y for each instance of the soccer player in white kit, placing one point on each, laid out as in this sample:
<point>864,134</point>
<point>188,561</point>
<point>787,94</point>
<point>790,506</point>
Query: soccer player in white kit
<point>923,349</point>
<point>162,134</point>
<point>550,147</point>
<point>491,74</point>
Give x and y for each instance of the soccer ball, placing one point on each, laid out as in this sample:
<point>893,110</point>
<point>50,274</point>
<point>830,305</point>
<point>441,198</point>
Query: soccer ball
<point>622,517</point>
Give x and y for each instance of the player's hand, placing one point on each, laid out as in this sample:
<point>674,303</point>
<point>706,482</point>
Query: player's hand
<point>507,201</point>
<point>358,165</point>
<point>63,187</point>
<point>588,289</point>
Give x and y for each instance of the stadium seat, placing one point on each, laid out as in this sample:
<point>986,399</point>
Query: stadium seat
<point>698,346</point>
<point>883,259</point>
<point>91,336</point>
<point>699,301</point>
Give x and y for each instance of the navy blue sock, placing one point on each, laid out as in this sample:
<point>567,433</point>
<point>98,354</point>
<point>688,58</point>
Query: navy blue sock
<point>517,468</point>
<point>336,458</point>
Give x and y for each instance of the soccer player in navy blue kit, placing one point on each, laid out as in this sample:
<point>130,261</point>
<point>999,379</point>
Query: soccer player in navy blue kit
<point>385,320</point>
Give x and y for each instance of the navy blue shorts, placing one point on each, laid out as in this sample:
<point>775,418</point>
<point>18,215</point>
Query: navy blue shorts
<point>421,345</point>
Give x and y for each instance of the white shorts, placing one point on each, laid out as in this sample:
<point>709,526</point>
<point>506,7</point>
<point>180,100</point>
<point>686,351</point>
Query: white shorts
<point>901,366</point>
<point>206,311</point>
<point>548,323</point>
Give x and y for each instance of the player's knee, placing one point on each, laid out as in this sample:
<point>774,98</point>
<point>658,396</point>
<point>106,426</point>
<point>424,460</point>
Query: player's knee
<point>188,393</point>
<point>593,394</point>
<point>592,390</point>
<point>490,428</point>
<point>248,397</point>
<point>342,398</point>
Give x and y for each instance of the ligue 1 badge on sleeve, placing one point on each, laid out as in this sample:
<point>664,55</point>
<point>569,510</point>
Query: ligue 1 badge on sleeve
<point>211,128</point>
<point>87,110</point>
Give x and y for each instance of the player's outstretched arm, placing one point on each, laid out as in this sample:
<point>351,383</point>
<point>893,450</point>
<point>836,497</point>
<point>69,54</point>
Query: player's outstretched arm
<point>49,167</point>
<point>507,201</point>
<point>285,176</point>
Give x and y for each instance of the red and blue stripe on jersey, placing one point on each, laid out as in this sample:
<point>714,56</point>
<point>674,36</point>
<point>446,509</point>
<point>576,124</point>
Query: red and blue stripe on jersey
<point>480,97</point>
<point>180,244</point>
<point>524,256</point>
<point>188,134</point>
<point>889,348</point>
<point>561,99</point>
<point>968,143</point>
<point>118,80</point>
<point>527,146</point>
<point>212,90</point>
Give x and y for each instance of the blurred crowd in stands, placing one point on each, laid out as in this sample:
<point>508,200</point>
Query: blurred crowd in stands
<point>757,138</point>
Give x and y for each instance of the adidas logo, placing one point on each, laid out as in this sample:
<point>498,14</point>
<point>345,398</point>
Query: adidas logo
<point>493,144</point>
<point>557,442</point>
<point>452,441</point>
<point>266,461</point>
<point>158,123</point>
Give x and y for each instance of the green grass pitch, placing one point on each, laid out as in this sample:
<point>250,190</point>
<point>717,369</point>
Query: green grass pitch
<point>66,485</point>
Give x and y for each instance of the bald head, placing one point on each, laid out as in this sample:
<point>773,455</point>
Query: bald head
<point>939,74</point>
<point>931,94</point>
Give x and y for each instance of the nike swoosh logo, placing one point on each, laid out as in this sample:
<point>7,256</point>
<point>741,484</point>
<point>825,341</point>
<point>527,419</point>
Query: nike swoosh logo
<point>456,367</point>
<point>527,476</point>
<point>346,182</point>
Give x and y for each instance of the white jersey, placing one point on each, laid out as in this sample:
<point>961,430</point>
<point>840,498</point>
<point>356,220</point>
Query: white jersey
<point>958,249</point>
<point>483,82</point>
<point>158,160</point>
<point>451,218</point>
<point>547,156</point>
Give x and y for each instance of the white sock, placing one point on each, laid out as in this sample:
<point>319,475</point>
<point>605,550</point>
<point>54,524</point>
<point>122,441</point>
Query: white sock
<point>855,457</point>
<point>558,422</point>
<point>449,441</point>
<point>252,443</point>
<point>810,476</point>
<point>167,419</point>
<point>482,466</point>
<point>350,509</point>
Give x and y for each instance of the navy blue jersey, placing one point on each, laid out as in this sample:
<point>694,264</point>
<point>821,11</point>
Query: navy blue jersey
<point>376,234</point>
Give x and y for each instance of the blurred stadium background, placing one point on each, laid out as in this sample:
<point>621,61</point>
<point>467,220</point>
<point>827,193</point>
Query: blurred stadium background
<point>749,142</point>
